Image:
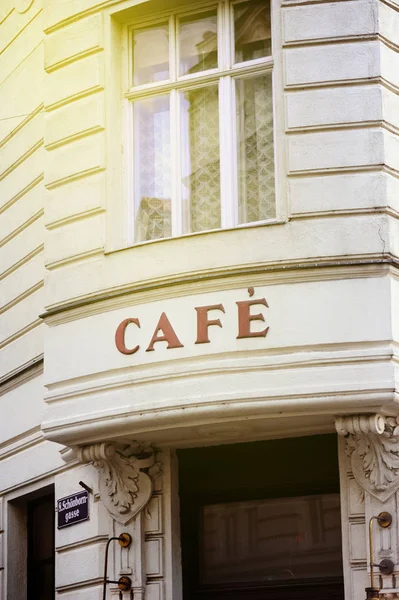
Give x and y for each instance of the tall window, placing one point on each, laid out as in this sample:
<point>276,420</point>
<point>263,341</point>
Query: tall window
<point>202,120</point>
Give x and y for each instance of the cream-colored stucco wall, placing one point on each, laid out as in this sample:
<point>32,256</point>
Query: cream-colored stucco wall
<point>327,267</point>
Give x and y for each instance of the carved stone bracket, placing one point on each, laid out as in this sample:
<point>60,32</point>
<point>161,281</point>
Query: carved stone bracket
<point>372,443</point>
<point>126,473</point>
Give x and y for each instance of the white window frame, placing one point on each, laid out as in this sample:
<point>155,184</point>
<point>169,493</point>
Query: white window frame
<point>224,76</point>
<point>118,153</point>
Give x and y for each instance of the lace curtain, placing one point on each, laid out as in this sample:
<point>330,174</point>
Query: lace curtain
<point>255,149</point>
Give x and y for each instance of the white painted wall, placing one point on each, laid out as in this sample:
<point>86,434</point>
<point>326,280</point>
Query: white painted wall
<point>332,303</point>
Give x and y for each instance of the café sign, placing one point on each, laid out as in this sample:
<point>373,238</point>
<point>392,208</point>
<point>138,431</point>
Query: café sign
<point>249,315</point>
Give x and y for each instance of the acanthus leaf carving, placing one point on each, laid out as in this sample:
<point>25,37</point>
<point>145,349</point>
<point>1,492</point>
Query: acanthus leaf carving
<point>126,473</point>
<point>372,443</point>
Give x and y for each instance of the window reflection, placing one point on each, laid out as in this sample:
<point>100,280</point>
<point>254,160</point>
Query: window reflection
<point>252,32</point>
<point>284,539</point>
<point>150,54</point>
<point>198,43</point>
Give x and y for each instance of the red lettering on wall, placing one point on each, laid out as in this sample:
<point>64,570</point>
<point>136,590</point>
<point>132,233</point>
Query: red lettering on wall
<point>245,318</point>
<point>203,322</point>
<point>120,336</point>
<point>169,334</point>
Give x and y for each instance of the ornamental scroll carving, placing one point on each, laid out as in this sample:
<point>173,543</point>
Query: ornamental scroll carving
<point>126,474</point>
<point>372,443</point>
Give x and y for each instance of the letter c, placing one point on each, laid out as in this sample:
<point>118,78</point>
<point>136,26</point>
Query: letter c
<point>120,336</point>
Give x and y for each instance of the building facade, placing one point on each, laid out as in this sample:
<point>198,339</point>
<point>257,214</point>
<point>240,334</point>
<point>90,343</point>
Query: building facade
<point>199,298</point>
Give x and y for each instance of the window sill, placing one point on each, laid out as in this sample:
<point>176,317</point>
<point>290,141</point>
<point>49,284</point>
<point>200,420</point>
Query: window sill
<point>109,249</point>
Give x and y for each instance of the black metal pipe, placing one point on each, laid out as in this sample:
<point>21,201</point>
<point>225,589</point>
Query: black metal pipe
<point>105,582</point>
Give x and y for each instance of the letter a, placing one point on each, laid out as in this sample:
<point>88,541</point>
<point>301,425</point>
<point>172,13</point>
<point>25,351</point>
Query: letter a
<point>169,334</point>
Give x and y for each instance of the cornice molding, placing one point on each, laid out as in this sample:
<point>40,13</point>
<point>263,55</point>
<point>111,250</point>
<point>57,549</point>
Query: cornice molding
<point>220,279</point>
<point>372,444</point>
<point>152,423</point>
<point>126,474</point>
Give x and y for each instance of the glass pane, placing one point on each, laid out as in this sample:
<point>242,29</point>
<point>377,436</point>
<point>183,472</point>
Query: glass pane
<point>255,148</point>
<point>272,540</point>
<point>152,154</point>
<point>151,54</point>
<point>200,159</point>
<point>198,43</point>
<point>252,34</point>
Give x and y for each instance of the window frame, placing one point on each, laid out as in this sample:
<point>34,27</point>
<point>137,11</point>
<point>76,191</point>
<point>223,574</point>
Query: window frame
<point>224,77</point>
<point>118,153</point>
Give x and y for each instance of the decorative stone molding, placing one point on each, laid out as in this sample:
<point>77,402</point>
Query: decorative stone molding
<point>372,443</point>
<point>126,474</point>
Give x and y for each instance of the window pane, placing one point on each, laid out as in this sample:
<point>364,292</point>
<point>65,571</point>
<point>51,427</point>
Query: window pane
<point>252,30</point>
<point>255,148</point>
<point>200,159</point>
<point>150,54</point>
<point>198,43</point>
<point>152,168</point>
<point>276,540</point>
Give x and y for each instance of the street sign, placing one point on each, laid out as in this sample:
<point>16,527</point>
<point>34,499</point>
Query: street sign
<point>73,509</point>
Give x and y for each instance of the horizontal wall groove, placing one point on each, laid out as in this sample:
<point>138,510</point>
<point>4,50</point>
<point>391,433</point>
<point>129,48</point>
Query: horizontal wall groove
<point>75,258</point>
<point>288,3</point>
<point>26,441</point>
<point>96,539</point>
<point>23,373</point>
<point>95,301</point>
<point>74,218</point>
<point>335,170</point>
<point>78,96</point>
<point>337,127</point>
<point>28,292</point>
<point>73,177</point>
<point>378,210</point>
<point>21,228</point>
<point>20,126</point>
<point>31,480</point>
<point>20,333</point>
<point>333,83</point>
<point>391,4</point>
<point>21,436</point>
<point>347,39</point>
<point>85,583</point>
<point>21,31</point>
<point>22,193</point>
<point>333,40</point>
<point>388,43</point>
<point>74,137</point>
<point>390,127</point>
<point>391,171</point>
<point>27,56</point>
<point>73,58</point>
<point>23,261</point>
<point>6,15</point>
<point>390,86</point>
<point>21,159</point>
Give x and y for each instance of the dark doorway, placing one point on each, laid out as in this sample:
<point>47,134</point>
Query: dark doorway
<point>41,551</point>
<point>262,521</point>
